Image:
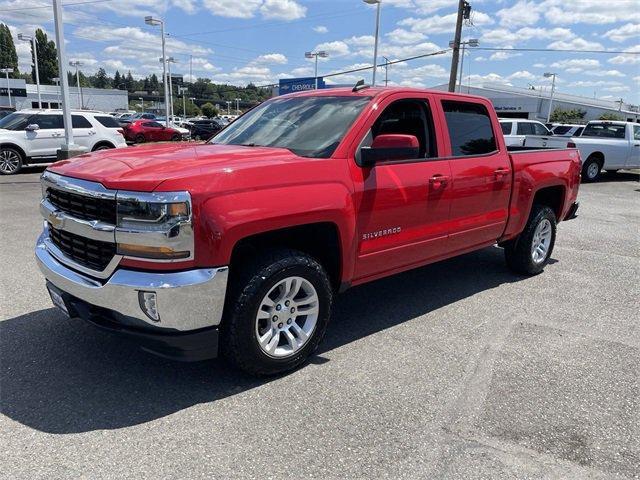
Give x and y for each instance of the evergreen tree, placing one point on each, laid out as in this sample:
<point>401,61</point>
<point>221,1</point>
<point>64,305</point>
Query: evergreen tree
<point>101,79</point>
<point>117,80</point>
<point>129,82</point>
<point>8,55</point>
<point>47,58</point>
<point>154,84</point>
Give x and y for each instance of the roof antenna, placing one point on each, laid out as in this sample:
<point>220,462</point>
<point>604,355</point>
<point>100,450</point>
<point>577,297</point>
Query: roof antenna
<point>360,85</point>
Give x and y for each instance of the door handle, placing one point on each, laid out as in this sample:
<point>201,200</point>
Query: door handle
<point>501,173</point>
<point>439,181</point>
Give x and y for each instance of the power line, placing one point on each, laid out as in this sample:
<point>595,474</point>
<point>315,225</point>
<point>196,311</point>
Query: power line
<point>567,50</point>
<point>49,6</point>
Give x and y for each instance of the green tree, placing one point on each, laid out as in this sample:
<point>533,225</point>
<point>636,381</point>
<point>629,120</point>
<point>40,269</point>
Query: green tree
<point>208,110</point>
<point>154,84</point>
<point>8,55</point>
<point>101,80</point>
<point>47,58</point>
<point>117,80</point>
<point>610,116</point>
<point>129,82</point>
<point>567,116</point>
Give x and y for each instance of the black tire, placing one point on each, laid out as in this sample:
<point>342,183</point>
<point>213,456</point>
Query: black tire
<point>11,161</point>
<point>103,146</point>
<point>591,169</point>
<point>248,288</point>
<point>140,138</point>
<point>518,252</point>
<point>175,138</point>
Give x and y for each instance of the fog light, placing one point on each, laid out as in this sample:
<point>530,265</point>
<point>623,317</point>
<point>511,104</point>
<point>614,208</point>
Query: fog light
<point>149,305</point>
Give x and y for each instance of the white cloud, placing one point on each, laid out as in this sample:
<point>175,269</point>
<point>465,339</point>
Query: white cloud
<point>402,36</point>
<point>421,6</point>
<point>233,8</point>
<point>522,13</point>
<point>620,34</point>
<point>577,43</point>
<point>594,12</point>
<point>436,24</point>
<point>502,55</point>
<point>576,65</point>
<point>320,29</point>
<point>522,75</point>
<point>282,9</point>
<point>336,48</point>
<point>272,58</point>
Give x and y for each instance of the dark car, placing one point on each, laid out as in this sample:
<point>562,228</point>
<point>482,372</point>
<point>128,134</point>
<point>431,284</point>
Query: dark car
<point>204,129</point>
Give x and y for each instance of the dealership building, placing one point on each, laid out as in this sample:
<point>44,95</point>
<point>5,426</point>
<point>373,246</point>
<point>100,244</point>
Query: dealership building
<point>25,95</point>
<point>514,102</point>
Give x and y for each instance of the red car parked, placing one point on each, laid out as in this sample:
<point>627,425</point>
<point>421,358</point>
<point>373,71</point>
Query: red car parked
<point>143,130</point>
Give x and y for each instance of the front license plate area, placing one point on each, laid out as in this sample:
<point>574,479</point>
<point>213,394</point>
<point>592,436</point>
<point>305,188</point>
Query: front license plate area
<point>57,299</point>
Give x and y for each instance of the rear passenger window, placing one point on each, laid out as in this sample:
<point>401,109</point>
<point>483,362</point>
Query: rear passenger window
<point>525,128</point>
<point>506,127</point>
<point>47,122</point>
<point>108,122</point>
<point>78,121</point>
<point>470,129</point>
<point>540,129</point>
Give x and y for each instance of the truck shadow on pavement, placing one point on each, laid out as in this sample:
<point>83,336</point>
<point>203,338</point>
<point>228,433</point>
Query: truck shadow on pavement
<point>60,375</point>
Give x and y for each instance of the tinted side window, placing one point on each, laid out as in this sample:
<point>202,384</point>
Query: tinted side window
<point>636,132</point>
<point>525,128</point>
<point>469,128</point>
<point>47,122</point>
<point>152,124</point>
<point>578,132</point>
<point>540,129</point>
<point>108,122</point>
<point>506,127</point>
<point>561,130</point>
<point>604,130</point>
<point>78,121</point>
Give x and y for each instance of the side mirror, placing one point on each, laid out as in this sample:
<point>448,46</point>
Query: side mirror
<point>32,127</point>
<point>389,147</point>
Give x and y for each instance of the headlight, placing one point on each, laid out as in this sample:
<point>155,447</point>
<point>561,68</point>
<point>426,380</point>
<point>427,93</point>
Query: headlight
<point>154,225</point>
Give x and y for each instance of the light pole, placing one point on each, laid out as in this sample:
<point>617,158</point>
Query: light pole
<point>183,90</point>
<point>68,149</point>
<point>228,107</point>
<point>141,103</point>
<point>553,88</point>
<point>321,54</point>
<point>472,42</point>
<point>149,20</point>
<point>237,106</point>
<point>375,45</point>
<point>57,82</point>
<point>77,63</point>
<point>170,60</point>
<point>6,72</point>
<point>28,38</point>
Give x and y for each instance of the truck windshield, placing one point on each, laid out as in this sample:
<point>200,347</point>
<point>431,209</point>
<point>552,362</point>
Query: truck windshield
<point>605,130</point>
<point>308,126</point>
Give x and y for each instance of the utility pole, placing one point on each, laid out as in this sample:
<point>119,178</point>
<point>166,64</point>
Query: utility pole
<point>7,71</point>
<point>553,88</point>
<point>78,63</point>
<point>464,10</point>
<point>386,71</point>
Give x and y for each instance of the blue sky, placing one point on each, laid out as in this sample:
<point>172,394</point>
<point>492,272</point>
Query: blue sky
<point>259,41</point>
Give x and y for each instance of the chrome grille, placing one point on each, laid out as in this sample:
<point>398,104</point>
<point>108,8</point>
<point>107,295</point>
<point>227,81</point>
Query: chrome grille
<point>92,254</point>
<point>83,206</point>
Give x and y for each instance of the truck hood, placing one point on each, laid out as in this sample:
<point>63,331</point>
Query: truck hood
<point>144,168</point>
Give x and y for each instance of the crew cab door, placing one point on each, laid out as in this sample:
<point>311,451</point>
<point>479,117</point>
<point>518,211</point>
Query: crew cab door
<point>402,204</point>
<point>152,131</point>
<point>47,139</point>
<point>83,132</point>
<point>482,175</point>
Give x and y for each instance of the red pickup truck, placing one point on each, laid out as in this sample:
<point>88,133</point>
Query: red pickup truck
<point>243,241</point>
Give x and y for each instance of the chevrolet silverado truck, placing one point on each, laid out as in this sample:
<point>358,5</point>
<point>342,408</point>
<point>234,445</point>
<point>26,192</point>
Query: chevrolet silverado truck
<point>241,243</point>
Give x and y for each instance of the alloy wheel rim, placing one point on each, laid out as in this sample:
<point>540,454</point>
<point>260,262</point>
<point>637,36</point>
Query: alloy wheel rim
<point>9,161</point>
<point>592,170</point>
<point>541,241</point>
<point>287,317</point>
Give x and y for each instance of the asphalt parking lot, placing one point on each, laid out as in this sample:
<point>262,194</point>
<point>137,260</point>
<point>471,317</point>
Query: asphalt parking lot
<point>457,370</point>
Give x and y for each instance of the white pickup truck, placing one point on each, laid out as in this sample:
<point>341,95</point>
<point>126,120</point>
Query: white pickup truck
<point>520,132</point>
<point>608,145</point>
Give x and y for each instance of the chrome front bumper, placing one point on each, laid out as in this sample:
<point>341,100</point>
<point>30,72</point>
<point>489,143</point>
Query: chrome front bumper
<point>187,300</point>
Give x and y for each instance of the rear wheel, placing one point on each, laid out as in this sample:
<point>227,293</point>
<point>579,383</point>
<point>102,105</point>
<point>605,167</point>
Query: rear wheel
<point>277,314</point>
<point>140,138</point>
<point>591,169</point>
<point>103,146</point>
<point>10,161</point>
<point>175,137</point>
<point>529,253</point>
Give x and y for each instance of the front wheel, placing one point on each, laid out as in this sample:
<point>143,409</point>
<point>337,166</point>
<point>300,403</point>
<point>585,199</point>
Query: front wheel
<point>529,253</point>
<point>277,314</point>
<point>175,138</point>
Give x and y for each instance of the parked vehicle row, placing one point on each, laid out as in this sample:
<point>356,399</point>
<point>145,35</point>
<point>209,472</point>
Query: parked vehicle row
<point>34,136</point>
<point>530,133</point>
<point>189,259</point>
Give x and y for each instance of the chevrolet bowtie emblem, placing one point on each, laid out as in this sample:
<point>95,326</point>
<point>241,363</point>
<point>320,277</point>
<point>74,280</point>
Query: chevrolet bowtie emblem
<point>56,219</point>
